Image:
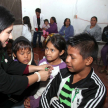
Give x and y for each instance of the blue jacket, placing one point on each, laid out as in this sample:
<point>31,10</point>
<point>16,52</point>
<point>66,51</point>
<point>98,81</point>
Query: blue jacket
<point>69,31</point>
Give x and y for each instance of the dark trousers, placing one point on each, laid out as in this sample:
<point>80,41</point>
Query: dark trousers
<point>35,38</point>
<point>104,53</point>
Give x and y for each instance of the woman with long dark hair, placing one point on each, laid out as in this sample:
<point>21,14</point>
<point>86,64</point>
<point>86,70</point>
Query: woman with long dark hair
<point>26,32</point>
<point>12,80</point>
<point>53,26</point>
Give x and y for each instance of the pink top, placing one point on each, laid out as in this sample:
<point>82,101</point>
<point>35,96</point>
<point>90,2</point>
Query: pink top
<point>46,26</point>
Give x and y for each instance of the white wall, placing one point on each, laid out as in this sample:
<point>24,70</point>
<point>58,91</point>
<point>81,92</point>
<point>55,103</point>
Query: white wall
<point>61,9</point>
<point>28,8</point>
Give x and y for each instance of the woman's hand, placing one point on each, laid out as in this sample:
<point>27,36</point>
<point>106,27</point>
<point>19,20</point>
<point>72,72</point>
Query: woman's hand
<point>43,67</point>
<point>38,76</point>
<point>27,103</point>
<point>44,74</point>
<point>33,68</point>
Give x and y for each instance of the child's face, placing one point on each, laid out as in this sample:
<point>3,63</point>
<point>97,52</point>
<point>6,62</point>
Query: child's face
<point>51,52</point>
<point>74,61</point>
<point>24,56</point>
<point>46,22</point>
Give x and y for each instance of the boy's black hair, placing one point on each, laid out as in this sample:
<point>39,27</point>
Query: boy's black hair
<point>94,17</point>
<point>20,43</point>
<point>59,43</point>
<point>66,20</point>
<point>38,10</point>
<point>86,44</point>
<point>46,20</point>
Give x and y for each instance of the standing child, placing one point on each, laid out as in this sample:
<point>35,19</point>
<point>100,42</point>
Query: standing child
<point>55,54</point>
<point>45,26</point>
<point>23,53</point>
<point>26,32</point>
<point>78,86</point>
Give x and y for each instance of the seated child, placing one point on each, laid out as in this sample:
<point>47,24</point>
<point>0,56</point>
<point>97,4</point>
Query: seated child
<point>54,55</point>
<point>9,48</point>
<point>45,26</point>
<point>23,53</point>
<point>76,86</point>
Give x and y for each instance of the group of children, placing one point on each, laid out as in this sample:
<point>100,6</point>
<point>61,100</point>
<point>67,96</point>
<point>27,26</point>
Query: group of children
<point>73,82</point>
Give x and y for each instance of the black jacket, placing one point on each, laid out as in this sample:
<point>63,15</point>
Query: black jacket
<point>11,79</point>
<point>92,92</point>
<point>105,34</point>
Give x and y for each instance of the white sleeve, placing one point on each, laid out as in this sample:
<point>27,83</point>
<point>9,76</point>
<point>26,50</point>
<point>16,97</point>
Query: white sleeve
<point>41,21</point>
<point>35,21</point>
<point>24,30</point>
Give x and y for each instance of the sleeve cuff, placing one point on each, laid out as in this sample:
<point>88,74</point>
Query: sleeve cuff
<point>28,85</point>
<point>26,71</point>
<point>54,98</point>
<point>36,29</point>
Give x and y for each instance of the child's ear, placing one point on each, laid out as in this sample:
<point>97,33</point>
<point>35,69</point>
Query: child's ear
<point>89,61</point>
<point>14,55</point>
<point>61,53</point>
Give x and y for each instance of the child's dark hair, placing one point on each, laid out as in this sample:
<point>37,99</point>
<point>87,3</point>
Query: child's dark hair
<point>86,44</point>
<point>46,20</point>
<point>59,43</point>
<point>21,45</point>
<point>26,20</point>
<point>10,41</point>
<point>38,10</point>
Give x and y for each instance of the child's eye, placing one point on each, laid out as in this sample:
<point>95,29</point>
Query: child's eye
<point>22,53</point>
<point>52,50</point>
<point>46,48</point>
<point>72,58</point>
<point>28,52</point>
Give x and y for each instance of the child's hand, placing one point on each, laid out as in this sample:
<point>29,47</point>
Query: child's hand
<point>27,103</point>
<point>43,67</point>
<point>44,28</point>
<point>44,75</point>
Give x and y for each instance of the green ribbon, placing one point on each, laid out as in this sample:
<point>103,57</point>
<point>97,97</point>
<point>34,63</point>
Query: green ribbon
<point>76,92</point>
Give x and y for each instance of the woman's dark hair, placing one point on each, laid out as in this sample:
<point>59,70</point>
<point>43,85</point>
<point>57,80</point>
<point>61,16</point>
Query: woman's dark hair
<point>66,20</point>
<point>21,45</point>
<point>46,20</point>
<point>38,10</point>
<point>59,43</point>
<point>6,20</point>
<point>54,19</point>
<point>94,17</point>
<point>86,44</point>
<point>26,20</point>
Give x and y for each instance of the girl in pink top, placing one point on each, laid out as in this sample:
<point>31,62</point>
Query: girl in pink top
<point>45,26</point>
